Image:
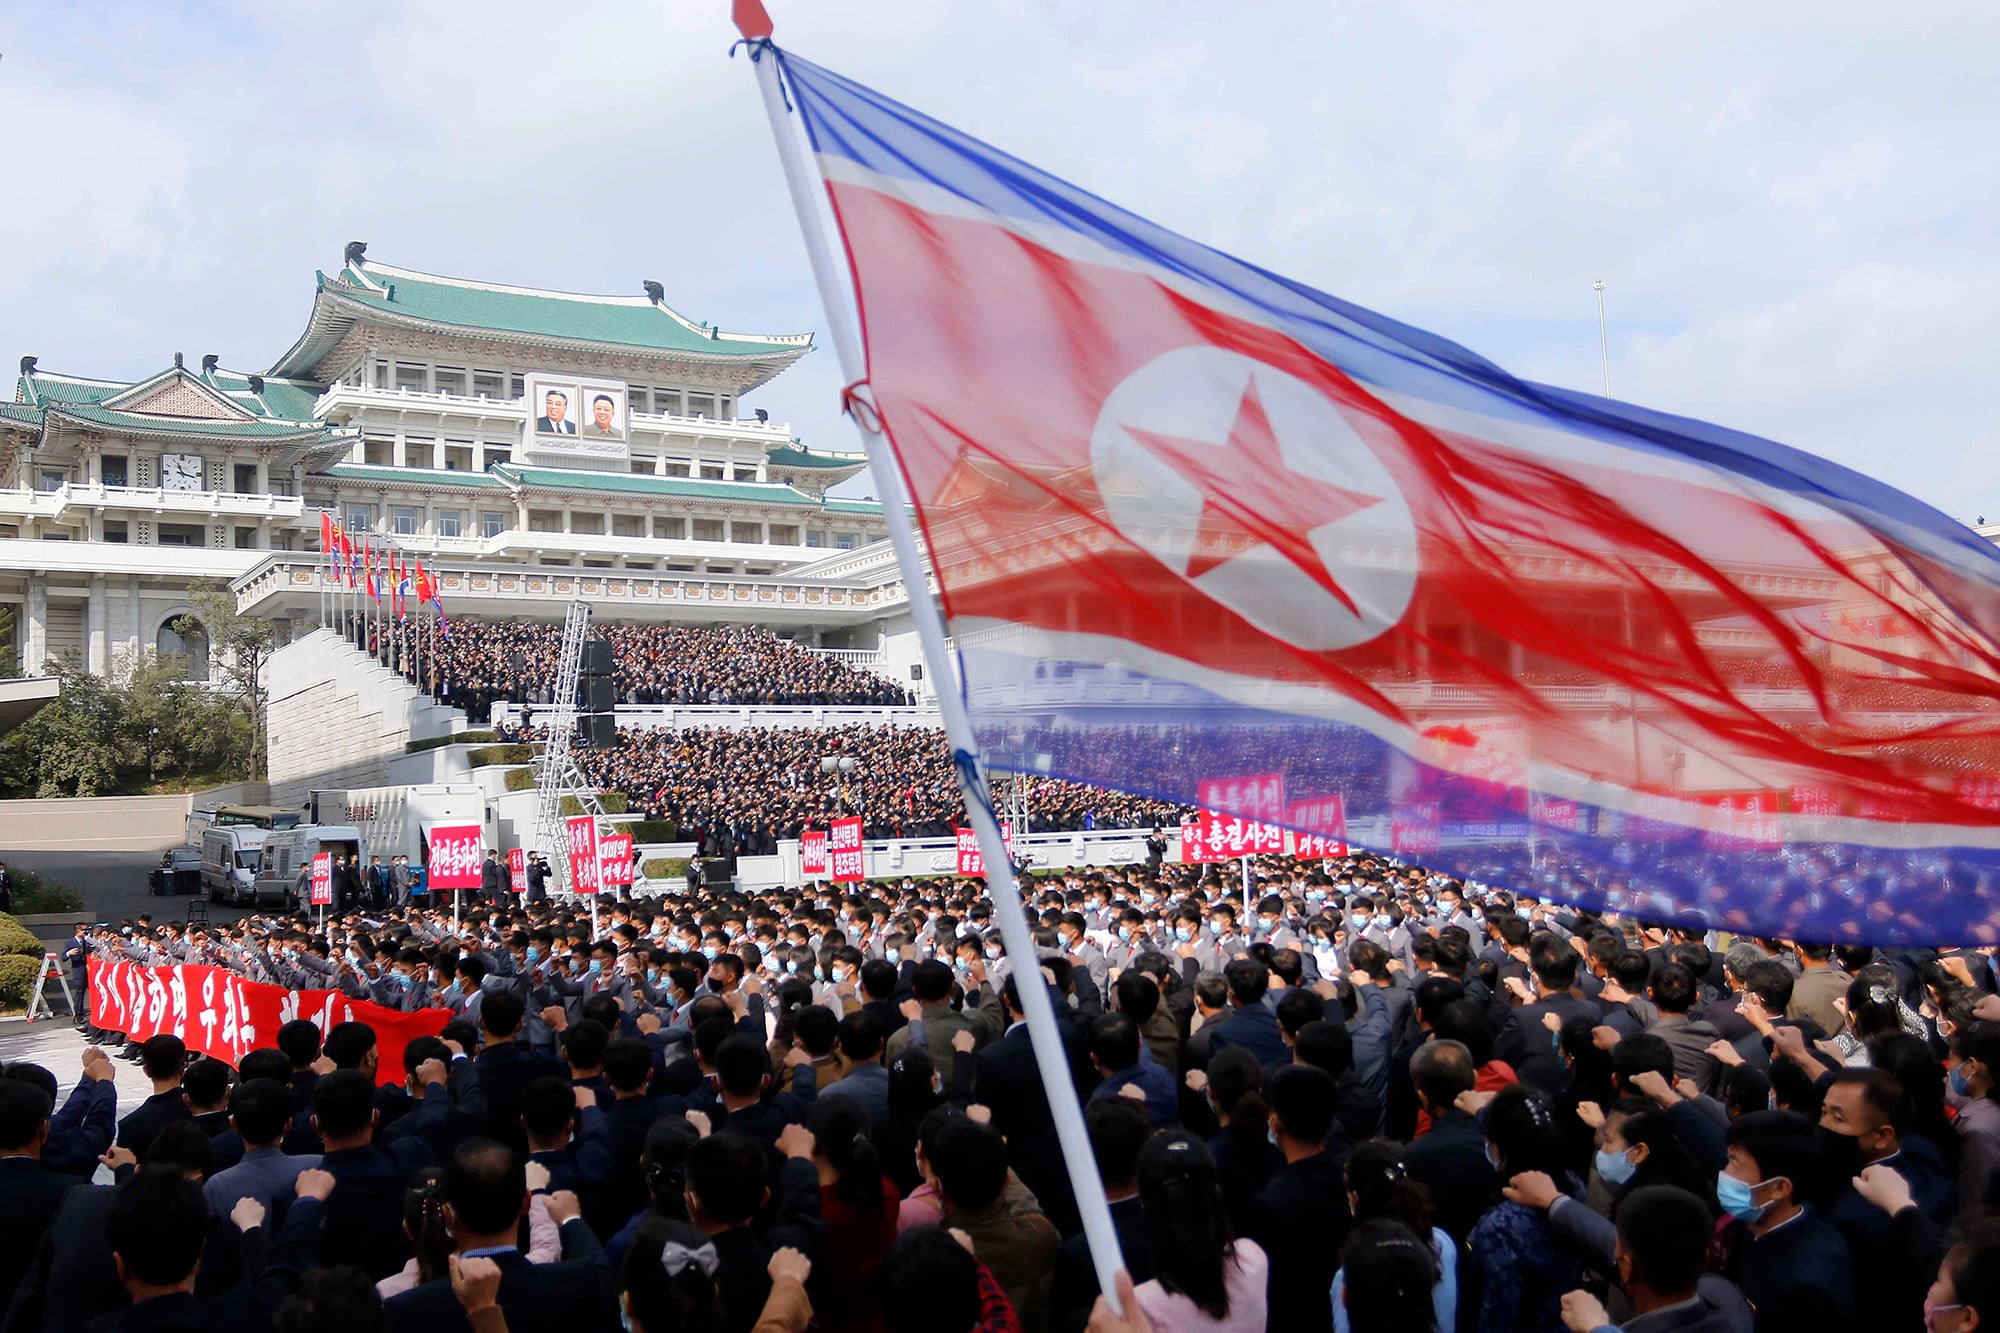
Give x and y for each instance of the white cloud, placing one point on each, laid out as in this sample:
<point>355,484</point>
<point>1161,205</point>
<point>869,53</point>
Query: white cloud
<point>1854,169</point>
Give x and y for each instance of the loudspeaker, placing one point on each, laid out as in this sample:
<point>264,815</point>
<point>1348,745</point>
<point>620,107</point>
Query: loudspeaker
<point>597,694</point>
<point>596,731</point>
<point>916,671</point>
<point>597,657</point>
<point>715,871</point>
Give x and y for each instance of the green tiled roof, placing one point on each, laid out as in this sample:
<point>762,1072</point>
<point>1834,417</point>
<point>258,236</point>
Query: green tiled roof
<point>282,400</point>
<point>853,506</point>
<point>249,430</point>
<point>21,412</point>
<point>62,389</point>
<point>622,321</point>
<point>638,483</point>
<point>792,455</point>
<point>414,476</point>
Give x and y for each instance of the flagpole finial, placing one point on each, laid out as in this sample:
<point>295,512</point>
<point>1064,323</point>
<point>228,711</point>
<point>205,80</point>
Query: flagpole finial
<point>751,19</point>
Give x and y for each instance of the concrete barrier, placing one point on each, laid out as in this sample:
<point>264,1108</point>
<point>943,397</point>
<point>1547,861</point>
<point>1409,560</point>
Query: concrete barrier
<point>95,823</point>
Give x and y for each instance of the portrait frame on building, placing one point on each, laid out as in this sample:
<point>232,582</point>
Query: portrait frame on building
<point>571,414</point>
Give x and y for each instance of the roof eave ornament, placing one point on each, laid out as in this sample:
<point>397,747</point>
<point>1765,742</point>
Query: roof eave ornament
<point>654,292</point>
<point>257,384</point>
<point>209,362</point>
<point>28,364</point>
<point>356,254</point>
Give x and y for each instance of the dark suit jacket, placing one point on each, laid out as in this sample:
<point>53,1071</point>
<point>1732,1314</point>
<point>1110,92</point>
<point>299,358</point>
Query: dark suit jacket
<point>505,1071</point>
<point>1451,1162</point>
<point>1531,1048</point>
<point>139,1128</point>
<point>1301,1221</point>
<point>1256,1030</point>
<point>240,1309</point>
<point>548,427</point>
<point>1076,1286</point>
<point>572,1296</point>
<point>364,1214</point>
<point>32,1193</point>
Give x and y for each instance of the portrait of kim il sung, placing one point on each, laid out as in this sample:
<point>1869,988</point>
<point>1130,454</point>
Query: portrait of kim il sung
<point>555,407</point>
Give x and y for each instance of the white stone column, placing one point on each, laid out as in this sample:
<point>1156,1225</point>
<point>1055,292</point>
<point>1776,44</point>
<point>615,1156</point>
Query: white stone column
<point>134,618</point>
<point>35,633</point>
<point>97,642</point>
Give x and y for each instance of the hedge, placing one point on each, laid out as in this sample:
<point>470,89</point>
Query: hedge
<point>666,867</point>
<point>654,830</point>
<point>488,755</point>
<point>519,779</point>
<point>614,803</point>
<point>16,940</point>
<point>17,979</point>
<point>32,897</point>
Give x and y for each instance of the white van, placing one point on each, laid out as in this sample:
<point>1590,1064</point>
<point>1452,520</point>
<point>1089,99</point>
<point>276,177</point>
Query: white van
<point>285,850</point>
<point>229,860</point>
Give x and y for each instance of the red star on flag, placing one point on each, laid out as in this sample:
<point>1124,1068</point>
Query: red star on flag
<point>1252,496</point>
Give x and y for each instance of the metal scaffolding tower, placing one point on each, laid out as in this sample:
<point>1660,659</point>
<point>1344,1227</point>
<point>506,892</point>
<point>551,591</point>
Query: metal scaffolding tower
<point>556,771</point>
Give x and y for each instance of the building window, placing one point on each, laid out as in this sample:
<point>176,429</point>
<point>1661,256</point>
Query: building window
<point>815,536</point>
<point>748,534</point>
<point>495,456</point>
<point>708,530</point>
<point>246,539</point>
<point>116,470</point>
<point>784,534</point>
<point>491,524</point>
<point>51,480</point>
<point>450,380</point>
<point>115,531</point>
<point>591,525</point>
<point>643,466</point>
<point>179,534</point>
<point>186,647</point>
<point>406,519</point>
<point>701,405</point>
<point>628,525</point>
<point>743,474</point>
<point>711,472</point>
<point>545,520</point>
<point>667,402</point>
<point>488,384</point>
<point>378,453</point>
<point>516,386</point>
<point>360,518</point>
<point>409,377</point>
<point>458,457</point>
<point>450,522</point>
<point>670,529</point>
<point>419,453</point>
<point>245,477</point>
<point>843,541</point>
<point>381,374</point>
<point>674,469</point>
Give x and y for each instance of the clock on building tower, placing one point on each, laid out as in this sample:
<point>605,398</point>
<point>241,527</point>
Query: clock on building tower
<point>180,472</point>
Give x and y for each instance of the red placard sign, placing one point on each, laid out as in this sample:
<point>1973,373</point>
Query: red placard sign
<point>322,879</point>
<point>455,853</point>
<point>1215,836</point>
<point>1326,818</point>
<point>582,831</point>
<point>844,852</point>
<point>517,870</point>
<point>972,861</point>
<point>614,860</point>
<point>812,852</point>
<point>1414,828</point>
<point>1260,797</point>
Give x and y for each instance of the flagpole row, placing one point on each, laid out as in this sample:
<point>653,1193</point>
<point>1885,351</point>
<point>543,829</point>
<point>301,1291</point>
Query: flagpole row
<point>1025,964</point>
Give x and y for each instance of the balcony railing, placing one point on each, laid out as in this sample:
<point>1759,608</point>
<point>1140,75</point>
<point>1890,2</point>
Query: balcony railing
<point>27,503</point>
<point>515,410</point>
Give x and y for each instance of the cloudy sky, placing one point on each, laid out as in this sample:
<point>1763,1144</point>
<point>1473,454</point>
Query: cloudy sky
<point>1793,204</point>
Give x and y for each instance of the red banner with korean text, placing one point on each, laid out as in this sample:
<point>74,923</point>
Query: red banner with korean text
<point>813,853</point>
<point>222,1014</point>
<point>322,879</point>
<point>583,870</point>
<point>614,860</point>
<point>455,854</point>
<point>1214,836</point>
<point>972,861</point>
<point>1327,813</point>
<point>517,870</point>
<point>844,851</point>
<point>1415,828</point>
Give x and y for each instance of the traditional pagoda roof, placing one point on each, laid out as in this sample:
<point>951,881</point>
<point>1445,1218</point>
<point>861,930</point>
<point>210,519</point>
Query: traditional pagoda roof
<point>363,292</point>
<point>177,403</point>
<point>797,455</point>
<point>691,488</point>
<point>422,478</point>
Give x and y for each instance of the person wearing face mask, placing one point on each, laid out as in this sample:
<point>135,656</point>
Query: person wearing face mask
<point>1791,1264</point>
<point>1975,1078</point>
<point>1861,1124</point>
<point>1657,1253</point>
<point>1082,952</point>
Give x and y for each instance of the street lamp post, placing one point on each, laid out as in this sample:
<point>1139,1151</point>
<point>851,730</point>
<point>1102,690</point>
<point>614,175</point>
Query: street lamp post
<point>1603,343</point>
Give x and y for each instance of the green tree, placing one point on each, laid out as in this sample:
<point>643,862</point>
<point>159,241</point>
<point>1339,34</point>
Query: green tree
<point>239,648</point>
<point>71,747</point>
<point>10,652</point>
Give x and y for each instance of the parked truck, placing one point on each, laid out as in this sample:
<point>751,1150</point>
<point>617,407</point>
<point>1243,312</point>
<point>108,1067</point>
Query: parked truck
<point>394,821</point>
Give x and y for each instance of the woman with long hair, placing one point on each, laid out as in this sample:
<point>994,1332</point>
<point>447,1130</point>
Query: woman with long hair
<point>1245,1157</point>
<point>1638,1146</point>
<point>1520,1268</point>
<point>1204,1280</point>
<point>858,1205</point>
<point>914,1093</point>
<point>1379,1189</point>
<point>667,1284</point>
<point>423,1223</point>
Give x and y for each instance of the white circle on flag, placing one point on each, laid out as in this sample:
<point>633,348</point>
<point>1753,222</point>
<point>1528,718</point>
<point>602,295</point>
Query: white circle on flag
<point>1185,412</point>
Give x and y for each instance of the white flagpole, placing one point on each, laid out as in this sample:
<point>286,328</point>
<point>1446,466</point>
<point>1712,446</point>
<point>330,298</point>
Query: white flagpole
<point>1023,962</point>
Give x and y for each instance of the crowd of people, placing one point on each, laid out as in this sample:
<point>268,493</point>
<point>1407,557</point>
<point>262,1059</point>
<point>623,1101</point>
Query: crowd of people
<point>1364,1097</point>
<point>479,663</point>
<point>740,790</point>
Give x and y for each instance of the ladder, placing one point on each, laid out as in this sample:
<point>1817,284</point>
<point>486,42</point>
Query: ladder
<point>556,771</point>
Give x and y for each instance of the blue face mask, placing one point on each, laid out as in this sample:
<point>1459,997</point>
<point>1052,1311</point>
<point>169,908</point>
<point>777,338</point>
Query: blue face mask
<point>595,967</point>
<point>1735,1198</point>
<point>1183,934</point>
<point>652,976</point>
<point>709,952</point>
<point>893,955</point>
<point>534,954</point>
<point>1125,934</point>
<point>1614,1167</point>
<point>1959,1083</point>
<point>1266,924</point>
